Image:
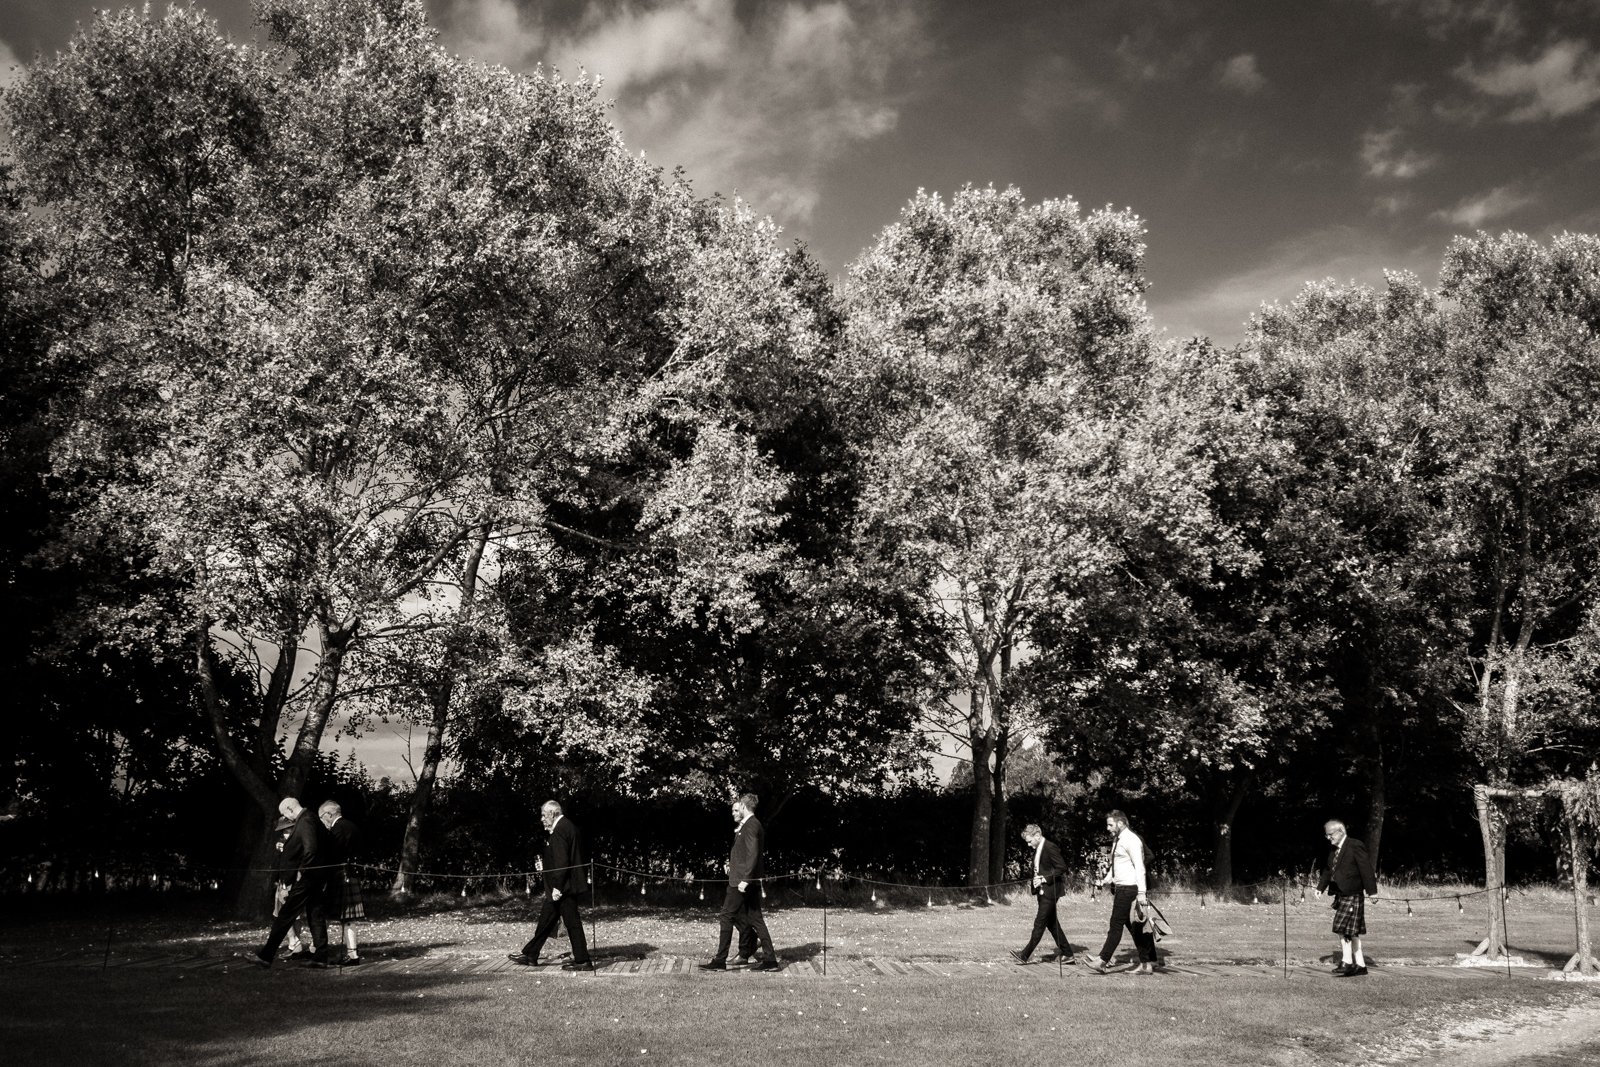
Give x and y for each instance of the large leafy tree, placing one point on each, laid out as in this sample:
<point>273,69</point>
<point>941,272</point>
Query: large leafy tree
<point>998,350</point>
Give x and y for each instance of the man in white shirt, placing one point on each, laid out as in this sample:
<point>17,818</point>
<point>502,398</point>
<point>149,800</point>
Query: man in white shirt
<point>1129,887</point>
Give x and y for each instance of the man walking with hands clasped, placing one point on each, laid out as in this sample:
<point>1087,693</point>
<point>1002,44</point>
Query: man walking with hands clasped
<point>742,906</point>
<point>1349,873</point>
<point>565,876</point>
<point>1049,868</point>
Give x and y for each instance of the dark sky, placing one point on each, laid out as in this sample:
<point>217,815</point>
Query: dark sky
<point>1264,142</point>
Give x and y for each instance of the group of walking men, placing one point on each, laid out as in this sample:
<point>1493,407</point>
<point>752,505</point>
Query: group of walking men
<point>312,884</point>
<point>1348,876</point>
<point>565,874</point>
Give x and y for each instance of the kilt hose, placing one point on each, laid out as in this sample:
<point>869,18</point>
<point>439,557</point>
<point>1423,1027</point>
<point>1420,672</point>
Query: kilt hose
<point>1349,915</point>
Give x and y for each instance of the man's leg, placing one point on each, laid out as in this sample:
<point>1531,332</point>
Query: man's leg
<point>288,915</point>
<point>317,919</point>
<point>1043,915</point>
<point>755,924</point>
<point>543,928</point>
<point>574,924</point>
<point>732,905</point>
<point>1121,907</point>
<point>1063,946</point>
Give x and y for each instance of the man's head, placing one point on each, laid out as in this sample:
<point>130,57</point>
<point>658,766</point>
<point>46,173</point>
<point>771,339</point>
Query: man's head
<point>329,811</point>
<point>1032,834</point>
<point>289,808</point>
<point>1334,831</point>
<point>549,814</point>
<point>744,806</point>
<point>1116,821</point>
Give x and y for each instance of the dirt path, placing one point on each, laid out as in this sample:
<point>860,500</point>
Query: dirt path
<point>1524,1038</point>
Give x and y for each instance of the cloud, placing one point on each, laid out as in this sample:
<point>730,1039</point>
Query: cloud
<point>1561,81</point>
<point>1056,87</point>
<point>1383,157</point>
<point>11,68</point>
<point>492,31</point>
<point>761,101</point>
<point>1474,211</point>
<point>1221,310</point>
<point>1498,20</point>
<point>1241,74</point>
<point>1145,56</point>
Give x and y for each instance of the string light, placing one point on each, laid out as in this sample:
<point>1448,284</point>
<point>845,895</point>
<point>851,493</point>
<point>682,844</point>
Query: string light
<point>874,896</point>
<point>702,892</point>
<point>1460,907</point>
<point>1202,900</point>
<point>930,900</point>
<point>1408,909</point>
<point>819,879</point>
<point>641,889</point>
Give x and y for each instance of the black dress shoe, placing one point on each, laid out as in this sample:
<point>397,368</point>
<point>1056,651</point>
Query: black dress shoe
<point>350,961</point>
<point>768,965</point>
<point>715,965</point>
<point>522,959</point>
<point>1354,972</point>
<point>1342,969</point>
<point>578,965</point>
<point>1067,961</point>
<point>742,961</point>
<point>1019,957</point>
<point>259,960</point>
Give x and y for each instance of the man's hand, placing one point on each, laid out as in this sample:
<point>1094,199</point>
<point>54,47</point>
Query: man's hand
<point>555,894</point>
<point>1142,900</point>
<point>1038,881</point>
<point>742,885</point>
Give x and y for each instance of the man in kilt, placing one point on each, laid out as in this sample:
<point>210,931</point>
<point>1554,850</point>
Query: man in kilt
<point>1349,875</point>
<point>343,890</point>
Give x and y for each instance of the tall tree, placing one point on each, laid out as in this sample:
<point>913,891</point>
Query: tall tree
<point>997,348</point>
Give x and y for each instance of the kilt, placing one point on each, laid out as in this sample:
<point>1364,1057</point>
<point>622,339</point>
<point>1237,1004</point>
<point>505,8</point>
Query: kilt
<point>1349,915</point>
<point>343,898</point>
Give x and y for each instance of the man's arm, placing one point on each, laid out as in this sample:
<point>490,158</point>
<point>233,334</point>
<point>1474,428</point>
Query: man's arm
<point>742,860</point>
<point>1369,881</point>
<point>1051,863</point>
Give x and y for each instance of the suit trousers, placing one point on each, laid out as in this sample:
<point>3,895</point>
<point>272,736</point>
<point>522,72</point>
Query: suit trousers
<point>306,894</point>
<point>743,910</point>
<point>563,911</point>
<point>1046,919</point>
<point>1122,915</point>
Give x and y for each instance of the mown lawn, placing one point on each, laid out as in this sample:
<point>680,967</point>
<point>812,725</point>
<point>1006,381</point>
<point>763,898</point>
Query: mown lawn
<point>119,1016</point>
<point>416,1010</point>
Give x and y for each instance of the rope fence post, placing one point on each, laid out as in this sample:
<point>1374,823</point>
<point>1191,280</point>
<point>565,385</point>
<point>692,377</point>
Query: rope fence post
<point>1285,903</point>
<point>1505,927</point>
<point>594,921</point>
<point>824,930</point>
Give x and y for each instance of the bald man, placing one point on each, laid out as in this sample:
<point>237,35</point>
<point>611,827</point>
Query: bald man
<point>306,877</point>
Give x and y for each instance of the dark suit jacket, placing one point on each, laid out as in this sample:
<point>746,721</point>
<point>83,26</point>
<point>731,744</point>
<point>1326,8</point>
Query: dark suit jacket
<point>1352,873</point>
<point>340,836</point>
<point>744,862</point>
<point>563,859</point>
<point>303,848</point>
<point>1053,869</point>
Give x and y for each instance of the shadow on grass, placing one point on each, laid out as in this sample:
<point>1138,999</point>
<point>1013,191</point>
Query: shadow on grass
<point>247,1016</point>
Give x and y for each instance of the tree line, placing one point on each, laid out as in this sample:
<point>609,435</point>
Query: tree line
<point>350,382</point>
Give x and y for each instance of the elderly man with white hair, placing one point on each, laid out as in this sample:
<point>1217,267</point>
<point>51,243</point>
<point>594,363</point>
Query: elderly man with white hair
<point>1348,874</point>
<point>305,892</point>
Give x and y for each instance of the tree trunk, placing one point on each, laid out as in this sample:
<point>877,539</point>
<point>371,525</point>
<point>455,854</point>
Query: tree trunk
<point>422,796</point>
<point>997,818</point>
<point>1377,803</point>
<point>441,697</point>
<point>1492,830</point>
<point>325,694</point>
<point>982,742</point>
<point>1582,959</point>
<point>1222,839</point>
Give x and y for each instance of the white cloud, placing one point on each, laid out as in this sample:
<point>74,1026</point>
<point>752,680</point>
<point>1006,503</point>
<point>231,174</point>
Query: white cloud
<point>11,68</point>
<point>1497,19</point>
<point>1056,87</point>
<point>1222,309</point>
<point>1474,211</point>
<point>493,31</point>
<point>1241,74</point>
<point>761,102</point>
<point>1563,80</point>
<point>1383,157</point>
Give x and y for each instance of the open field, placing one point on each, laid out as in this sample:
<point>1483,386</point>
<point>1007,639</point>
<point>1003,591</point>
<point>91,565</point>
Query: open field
<point>172,987</point>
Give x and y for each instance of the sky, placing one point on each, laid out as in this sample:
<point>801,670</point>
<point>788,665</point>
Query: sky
<point>1265,143</point>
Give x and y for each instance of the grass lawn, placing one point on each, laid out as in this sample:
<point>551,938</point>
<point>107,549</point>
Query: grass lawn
<point>417,1009</point>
